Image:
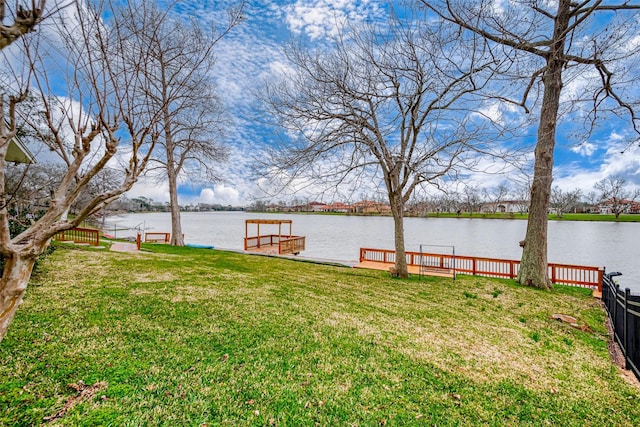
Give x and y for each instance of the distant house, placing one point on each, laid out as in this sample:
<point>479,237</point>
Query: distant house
<point>507,206</point>
<point>339,207</point>
<point>371,207</point>
<point>318,207</point>
<point>624,206</point>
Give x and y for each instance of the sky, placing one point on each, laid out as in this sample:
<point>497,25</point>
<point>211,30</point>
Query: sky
<point>245,59</point>
<point>253,53</point>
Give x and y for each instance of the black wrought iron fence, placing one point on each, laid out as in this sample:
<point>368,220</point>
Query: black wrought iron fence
<point>624,312</point>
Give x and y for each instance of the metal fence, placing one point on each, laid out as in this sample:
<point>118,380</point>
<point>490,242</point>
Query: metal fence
<point>624,311</point>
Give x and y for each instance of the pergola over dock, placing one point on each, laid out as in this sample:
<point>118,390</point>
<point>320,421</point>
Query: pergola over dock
<point>281,244</point>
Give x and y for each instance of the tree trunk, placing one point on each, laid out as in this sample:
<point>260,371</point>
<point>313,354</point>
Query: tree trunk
<point>533,265</point>
<point>13,284</point>
<point>176,224</point>
<point>397,210</point>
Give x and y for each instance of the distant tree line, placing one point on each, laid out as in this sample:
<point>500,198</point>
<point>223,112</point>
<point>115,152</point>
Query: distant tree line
<point>612,195</point>
<point>144,204</point>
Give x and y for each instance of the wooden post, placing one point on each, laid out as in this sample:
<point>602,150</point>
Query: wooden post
<point>138,240</point>
<point>553,273</point>
<point>600,278</point>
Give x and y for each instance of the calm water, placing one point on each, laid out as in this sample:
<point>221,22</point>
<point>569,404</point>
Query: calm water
<point>603,244</point>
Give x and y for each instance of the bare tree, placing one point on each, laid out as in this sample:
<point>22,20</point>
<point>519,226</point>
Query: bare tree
<point>178,81</point>
<point>592,199</point>
<point>559,39</point>
<point>521,194</point>
<point>99,123</point>
<point>471,199</point>
<point>28,187</point>
<point>616,194</point>
<point>563,201</point>
<point>496,196</point>
<point>24,20</point>
<point>380,103</point>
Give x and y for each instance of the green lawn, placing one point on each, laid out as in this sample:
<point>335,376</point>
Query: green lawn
<point>197,337</point>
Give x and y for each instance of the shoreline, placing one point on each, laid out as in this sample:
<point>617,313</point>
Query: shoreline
<point>585,217</point>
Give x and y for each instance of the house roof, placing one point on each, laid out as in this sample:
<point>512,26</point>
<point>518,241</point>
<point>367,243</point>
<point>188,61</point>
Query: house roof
<point>19,153</point>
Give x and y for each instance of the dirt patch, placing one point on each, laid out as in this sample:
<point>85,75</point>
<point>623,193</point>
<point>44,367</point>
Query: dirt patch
<point>617,356</point>
<point>85,392</point>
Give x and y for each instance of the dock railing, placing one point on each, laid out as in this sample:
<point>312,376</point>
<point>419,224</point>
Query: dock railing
<point>293,245</point>
<point>624,312</point>
<point>564,274</point>
<point>285,244</point>
<point>87,236</point>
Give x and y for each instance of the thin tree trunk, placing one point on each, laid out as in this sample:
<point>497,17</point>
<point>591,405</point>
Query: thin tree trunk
<point>533,265</point>
<point>397,209</point>
<point>176,224</point>
<point>172,177</point>
<point>13,284</point>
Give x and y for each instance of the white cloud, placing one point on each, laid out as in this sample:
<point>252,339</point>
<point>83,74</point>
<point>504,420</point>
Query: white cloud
<point>625,164</point>
<point>207,195</point>
<point>225,195</point>
<point>220,194</point>
<point>584,149</point>
<point>323,18</point>
<point>151,189</point>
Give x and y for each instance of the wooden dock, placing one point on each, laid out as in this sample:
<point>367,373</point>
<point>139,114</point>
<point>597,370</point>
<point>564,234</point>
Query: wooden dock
<point>429,264</point>
<point>412,269</point>
<point>272,244</point>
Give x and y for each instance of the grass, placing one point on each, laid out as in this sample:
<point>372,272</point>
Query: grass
<point>187,336</point>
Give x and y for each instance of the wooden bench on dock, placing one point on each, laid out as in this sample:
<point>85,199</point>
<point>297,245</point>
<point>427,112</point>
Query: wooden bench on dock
<point>437,271</point>
<point>157,237</point>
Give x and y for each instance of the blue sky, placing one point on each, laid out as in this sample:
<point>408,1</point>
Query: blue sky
<point>253,54</point>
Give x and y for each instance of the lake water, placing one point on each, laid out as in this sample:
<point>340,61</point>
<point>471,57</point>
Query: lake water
<point>338,238</point>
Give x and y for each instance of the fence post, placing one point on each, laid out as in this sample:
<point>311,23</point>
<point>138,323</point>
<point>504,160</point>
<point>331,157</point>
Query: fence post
<point>473,266</point>
<point>600,278</point>
<point>553,273</point>
<point>139,240</point>
<point>615,308</point>
<point>511,275</point>
<point>627,291</point>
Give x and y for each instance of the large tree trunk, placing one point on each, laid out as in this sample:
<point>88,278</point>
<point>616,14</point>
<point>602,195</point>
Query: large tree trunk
<point>176,224</point>
<point>397,210</point>
<point>13,284</point>
<point>533,266</point>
